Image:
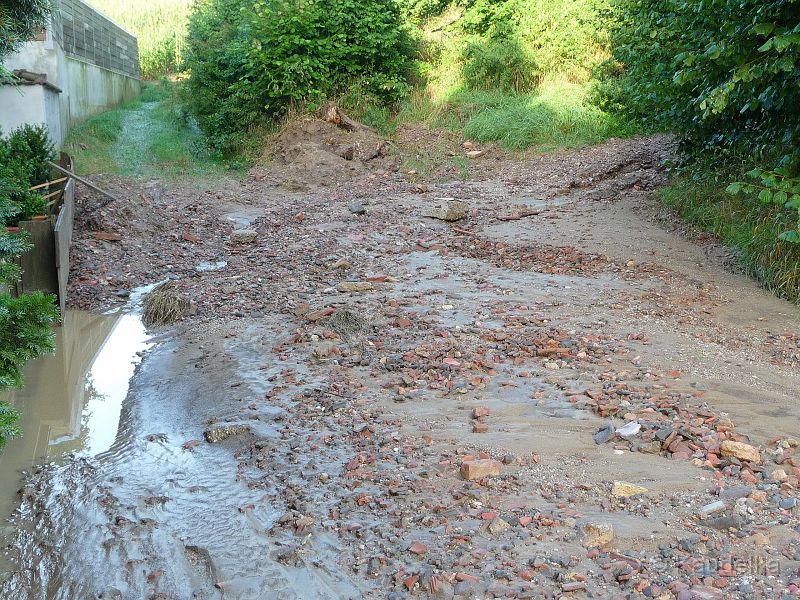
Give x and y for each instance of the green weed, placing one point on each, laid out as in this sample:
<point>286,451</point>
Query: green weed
<point>747,226</point>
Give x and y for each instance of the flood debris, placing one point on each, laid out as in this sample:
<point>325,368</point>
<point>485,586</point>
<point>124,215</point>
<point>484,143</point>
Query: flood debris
<point>165,305</point>
<point>569,405</point>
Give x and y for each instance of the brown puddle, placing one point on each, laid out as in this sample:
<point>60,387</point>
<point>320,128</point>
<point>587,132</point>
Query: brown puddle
<point>71,401</point>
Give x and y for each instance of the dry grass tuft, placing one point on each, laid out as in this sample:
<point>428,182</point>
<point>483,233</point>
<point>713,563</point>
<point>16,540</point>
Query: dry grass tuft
<point>164,305</point>
<point>347,324</point>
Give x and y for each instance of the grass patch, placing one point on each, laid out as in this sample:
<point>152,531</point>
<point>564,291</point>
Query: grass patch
<point>750,228</point>
<point>148,137</point>
<point>557,115</point>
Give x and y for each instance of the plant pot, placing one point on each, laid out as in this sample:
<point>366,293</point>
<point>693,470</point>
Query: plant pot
<point>12,229</point>
<point>40,218</point>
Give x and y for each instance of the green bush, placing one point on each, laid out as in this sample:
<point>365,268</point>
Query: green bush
<point>723,74</point>
<point>26,326</point>
<point>250,59</point>
<point>23,164</point>
<point>499,64</point>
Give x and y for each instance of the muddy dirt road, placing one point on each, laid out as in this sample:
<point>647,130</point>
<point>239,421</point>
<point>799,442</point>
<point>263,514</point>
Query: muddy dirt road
<point>554,396</point>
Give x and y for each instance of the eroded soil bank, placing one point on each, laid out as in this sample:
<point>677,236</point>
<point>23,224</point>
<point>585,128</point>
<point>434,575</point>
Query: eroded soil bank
<point>313,430</point>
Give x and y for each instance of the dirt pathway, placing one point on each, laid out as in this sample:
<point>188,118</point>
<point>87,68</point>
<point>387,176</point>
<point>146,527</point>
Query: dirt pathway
<point>385,405</point>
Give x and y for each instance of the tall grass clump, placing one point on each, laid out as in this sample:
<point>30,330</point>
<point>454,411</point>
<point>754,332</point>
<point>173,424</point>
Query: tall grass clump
<point>160,28</point>
<point>516,72</point>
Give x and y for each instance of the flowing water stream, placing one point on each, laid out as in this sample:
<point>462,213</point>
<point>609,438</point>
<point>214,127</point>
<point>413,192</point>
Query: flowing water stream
<point>71,400</point>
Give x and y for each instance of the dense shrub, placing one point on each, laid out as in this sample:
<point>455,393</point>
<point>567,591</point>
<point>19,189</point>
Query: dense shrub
<point>723,74</point>
<point>23,164</point>
<point>251,59</point>
<point>25,322</point>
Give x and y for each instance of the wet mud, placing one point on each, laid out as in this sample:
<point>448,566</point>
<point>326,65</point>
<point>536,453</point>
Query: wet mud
<point>313,429</point>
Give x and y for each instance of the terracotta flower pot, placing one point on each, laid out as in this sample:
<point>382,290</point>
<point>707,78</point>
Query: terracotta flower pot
<point>40,218</point>
<point>12,229</point>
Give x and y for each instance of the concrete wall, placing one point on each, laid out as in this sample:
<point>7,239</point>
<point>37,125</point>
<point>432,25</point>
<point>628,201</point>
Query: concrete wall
<point>91,59</point>
<point>91,89</point>
<point>31,104</point>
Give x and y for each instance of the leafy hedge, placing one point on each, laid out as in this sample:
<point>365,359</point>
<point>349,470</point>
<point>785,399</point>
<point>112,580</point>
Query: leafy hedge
<point>251,59</point>
<point>724,75</point>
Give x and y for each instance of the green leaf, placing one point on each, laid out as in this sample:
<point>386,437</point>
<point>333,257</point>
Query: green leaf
<point>765,196</point>
<point>734,188</point>
<point>792,236</point>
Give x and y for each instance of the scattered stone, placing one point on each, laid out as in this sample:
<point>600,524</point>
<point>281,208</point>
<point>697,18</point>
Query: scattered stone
<point>243,236</point>
<point>455,210</point>
<point>418,548</point>
<point>740,450</point>
<point>479,427</point>
<point>713,507</point>
<point>498,525</point>
<point>629,430</point>
<point>348,287</point>
<point>480,468</point>
<point>596,533</point>
<point>623,489</point>
<point>357,208</point>
<point>223,432</point>
<point>604,434</point>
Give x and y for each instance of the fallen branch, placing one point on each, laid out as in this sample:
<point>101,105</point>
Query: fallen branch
<point>82,180</point>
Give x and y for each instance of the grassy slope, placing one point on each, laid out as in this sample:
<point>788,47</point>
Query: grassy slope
<point>146,137</point>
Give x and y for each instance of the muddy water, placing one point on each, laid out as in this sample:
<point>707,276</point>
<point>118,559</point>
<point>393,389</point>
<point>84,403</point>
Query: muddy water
<point>71,401</point>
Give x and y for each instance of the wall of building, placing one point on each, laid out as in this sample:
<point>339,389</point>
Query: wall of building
<point>92,60</point>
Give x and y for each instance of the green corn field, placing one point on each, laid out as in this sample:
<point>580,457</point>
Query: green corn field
<point>159,25</point>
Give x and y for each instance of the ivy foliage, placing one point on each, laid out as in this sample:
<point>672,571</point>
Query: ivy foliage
<point>251,59</point>
<point>723,74</point>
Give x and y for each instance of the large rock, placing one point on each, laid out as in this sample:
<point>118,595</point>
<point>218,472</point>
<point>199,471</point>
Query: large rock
<point>453,210</point>
<point>223,432</point>
<point>243,236</point>
<point>346,287</point>
<point>478,469</point>
<point>740,450</point>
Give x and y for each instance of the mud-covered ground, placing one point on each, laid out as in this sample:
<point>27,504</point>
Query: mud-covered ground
<point>388,405</point>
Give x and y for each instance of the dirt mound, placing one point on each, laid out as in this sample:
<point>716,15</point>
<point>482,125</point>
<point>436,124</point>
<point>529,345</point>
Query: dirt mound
<point>320,152</point>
